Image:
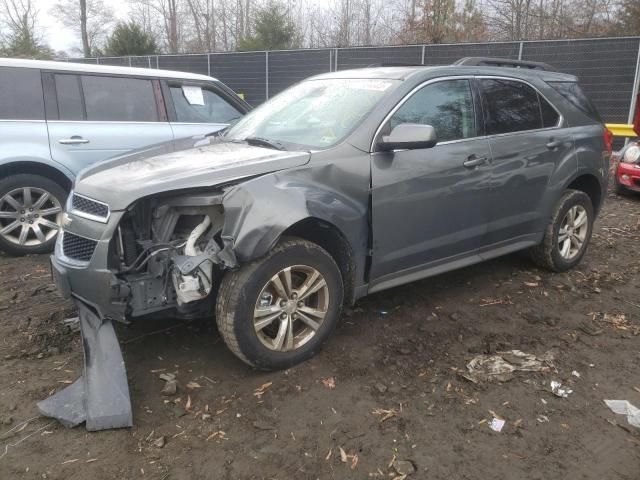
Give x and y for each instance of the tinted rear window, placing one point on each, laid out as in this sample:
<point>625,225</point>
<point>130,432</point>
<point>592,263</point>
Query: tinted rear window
<point>119,99</point>
<point>572,92</point>
<point>510,106</point>
<point>21,94</point>
<point>69,99</point>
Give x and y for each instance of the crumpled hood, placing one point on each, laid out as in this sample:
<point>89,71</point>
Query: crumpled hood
<point>122,180</point>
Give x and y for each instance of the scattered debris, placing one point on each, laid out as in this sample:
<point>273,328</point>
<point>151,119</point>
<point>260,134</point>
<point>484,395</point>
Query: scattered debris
<point>160,441</point>
<point>329,382</point>
<point>502,365</point>
<point>385,414</point>
<point>261,390</point>
<point>623,407</point>
<point>404,467</point>
<point>380,387</point>
<point>575,374</point>
<point>171,384</point>
<point>543,419</point>
<point>559,391</point>
<point>193,385</point>
<point>260,425</point>
<point>497,424</point>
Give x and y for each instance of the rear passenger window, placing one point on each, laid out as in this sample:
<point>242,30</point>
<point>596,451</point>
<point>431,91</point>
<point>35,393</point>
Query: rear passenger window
<point>512,106</point>
<point>68,95</point>
<point>119,99</point>
<point>21,94</point>
<point>550,116</point>
<point>447,106</point>
<point>209,108</point>
<point>572,92</point>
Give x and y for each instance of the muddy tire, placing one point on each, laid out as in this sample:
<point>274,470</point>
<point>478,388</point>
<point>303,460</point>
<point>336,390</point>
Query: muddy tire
<point>30,212</point>
<point>567,235</point>
<point>275,312</point>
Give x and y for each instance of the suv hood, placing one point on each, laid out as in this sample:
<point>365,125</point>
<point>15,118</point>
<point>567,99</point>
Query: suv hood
<point>122,180</point>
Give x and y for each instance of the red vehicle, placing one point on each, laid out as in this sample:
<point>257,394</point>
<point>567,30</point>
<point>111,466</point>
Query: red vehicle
<point>627,177</point>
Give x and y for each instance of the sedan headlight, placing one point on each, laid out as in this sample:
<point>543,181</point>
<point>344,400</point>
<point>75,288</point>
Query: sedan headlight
<point>631,154</point>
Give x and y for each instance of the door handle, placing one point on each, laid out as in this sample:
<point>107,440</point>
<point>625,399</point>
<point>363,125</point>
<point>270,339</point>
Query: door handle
<point>74,140</point>
<point>474,161</point>
<point>553,144</point>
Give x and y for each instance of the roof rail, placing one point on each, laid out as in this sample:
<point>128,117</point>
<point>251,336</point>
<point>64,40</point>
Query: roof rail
<point>394,64</point>
<point>503,62</point>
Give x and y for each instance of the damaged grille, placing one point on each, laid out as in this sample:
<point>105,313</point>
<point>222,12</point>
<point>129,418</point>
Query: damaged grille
<point>90,208</point>
<point>78,248</point>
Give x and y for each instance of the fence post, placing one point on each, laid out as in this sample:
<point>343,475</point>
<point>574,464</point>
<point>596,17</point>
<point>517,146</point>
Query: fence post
<point>129,61</point>
<point>266,75</point>
<point>520,51</point>
<point>149,61</point>
<point>335,59</point>
<point>330,60</point>
<point>424,48</point>
<point>157,63</point>
<point>209,64</point>
<point>634,90</point>
<point>97,60</point>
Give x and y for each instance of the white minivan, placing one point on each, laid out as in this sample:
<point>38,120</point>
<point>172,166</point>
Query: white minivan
<point>56,118</point>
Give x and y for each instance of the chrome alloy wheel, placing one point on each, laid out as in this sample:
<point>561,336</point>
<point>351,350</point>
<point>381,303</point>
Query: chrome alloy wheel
<point>29,216</point>
<point>573,232</point>
<point>291,308</point>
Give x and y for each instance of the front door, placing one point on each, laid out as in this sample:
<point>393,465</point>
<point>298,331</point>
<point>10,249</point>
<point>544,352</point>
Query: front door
<point>99,117</point>
<point>429,206</point>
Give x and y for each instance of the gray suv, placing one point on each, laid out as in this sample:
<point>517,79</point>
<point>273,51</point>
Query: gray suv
<point>345,184</point>
<point>57,118</point>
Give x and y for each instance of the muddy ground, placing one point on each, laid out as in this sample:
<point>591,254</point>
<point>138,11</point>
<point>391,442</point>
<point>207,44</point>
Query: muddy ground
<point>386,386</point>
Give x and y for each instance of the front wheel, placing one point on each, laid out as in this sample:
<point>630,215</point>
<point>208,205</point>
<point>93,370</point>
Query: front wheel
<point>30,213</point>
<point>567,234</point>
<point>275,312</point>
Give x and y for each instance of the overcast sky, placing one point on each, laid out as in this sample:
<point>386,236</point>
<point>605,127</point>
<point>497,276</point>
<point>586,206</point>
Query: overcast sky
<point>60,38</point>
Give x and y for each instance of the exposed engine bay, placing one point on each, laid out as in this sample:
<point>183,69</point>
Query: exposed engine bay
<point>168,252</point>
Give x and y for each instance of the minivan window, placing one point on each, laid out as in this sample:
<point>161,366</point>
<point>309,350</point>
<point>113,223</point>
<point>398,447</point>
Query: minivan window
<point>447,106</point>
<point>21,94</point>
<point>69,99</point>
<point>119,99</point>
<point>215,109</point>
<point>510,106</point>
<point>572,92</point>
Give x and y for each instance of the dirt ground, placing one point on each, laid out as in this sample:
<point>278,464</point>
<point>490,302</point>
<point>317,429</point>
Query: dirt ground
<point>388,385</point>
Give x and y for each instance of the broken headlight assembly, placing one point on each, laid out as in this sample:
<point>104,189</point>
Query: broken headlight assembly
<point>167,250</point>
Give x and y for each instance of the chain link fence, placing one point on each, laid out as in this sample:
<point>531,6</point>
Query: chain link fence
<point>607,67</point>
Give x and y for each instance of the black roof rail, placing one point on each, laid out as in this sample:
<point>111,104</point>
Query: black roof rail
<point>503,62</point>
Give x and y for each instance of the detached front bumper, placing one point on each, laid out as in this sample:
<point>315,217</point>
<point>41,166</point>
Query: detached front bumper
<point>628,175</point>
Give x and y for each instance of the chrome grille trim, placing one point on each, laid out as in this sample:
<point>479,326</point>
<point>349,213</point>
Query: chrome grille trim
<point>89,208</point>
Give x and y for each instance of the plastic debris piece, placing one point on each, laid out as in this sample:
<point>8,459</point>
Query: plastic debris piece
<point>497,424</point>
<point>559,391</point>
<point>623,407</point>
<point>502,365</point>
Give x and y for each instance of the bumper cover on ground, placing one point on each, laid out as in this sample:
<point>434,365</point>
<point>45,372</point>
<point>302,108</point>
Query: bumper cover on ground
<point>101,396</point>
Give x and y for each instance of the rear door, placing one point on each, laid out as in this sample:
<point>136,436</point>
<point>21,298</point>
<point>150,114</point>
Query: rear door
<point>527,144</point>
<point>94,117</point>
<point>199,108</point>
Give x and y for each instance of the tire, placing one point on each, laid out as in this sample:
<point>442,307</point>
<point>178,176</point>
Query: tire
<point>548,254</point>
<point>241,289</point>
<point>13,202</point>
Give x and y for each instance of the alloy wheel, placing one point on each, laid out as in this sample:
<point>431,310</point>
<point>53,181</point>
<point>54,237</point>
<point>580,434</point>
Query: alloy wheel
<point>291,308</point>
<point>29,216</point>
<point>573,232</point>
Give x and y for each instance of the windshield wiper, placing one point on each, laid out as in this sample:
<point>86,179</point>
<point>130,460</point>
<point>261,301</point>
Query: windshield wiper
<point>264,142</point>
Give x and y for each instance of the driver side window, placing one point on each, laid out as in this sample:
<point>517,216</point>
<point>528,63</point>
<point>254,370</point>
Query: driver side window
<point>447,106</point>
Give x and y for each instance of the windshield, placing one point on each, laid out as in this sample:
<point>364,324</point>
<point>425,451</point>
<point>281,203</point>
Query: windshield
<point>312,114</point>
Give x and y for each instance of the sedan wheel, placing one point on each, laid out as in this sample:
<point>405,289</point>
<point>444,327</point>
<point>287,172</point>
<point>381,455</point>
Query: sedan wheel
<point>573,232</point>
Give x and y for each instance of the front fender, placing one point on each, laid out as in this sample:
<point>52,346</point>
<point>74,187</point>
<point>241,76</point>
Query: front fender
<point>259,211</point>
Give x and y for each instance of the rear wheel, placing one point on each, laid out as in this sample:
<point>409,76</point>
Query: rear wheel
<point>276,311</point>
<point>568,233</point>
<point>30,213</point>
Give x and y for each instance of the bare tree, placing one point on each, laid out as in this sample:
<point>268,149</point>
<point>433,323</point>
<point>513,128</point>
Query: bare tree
<point>91,19</point>
<point>19,34</point>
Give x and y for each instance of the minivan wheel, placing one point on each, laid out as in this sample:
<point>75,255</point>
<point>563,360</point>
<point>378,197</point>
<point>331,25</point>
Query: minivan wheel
<point>568,233</point>
<point>275,312</point>
<point>30,213</point>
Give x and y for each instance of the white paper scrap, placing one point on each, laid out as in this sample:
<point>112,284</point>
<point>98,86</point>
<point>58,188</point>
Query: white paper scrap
<point>497,424</point>
<point>193,94</point>
<point>623,407</point>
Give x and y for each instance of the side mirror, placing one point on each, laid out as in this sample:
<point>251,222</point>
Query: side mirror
<point>409,136</point>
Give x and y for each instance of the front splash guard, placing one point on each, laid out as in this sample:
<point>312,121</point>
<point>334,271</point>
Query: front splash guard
<point>100,397</point>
